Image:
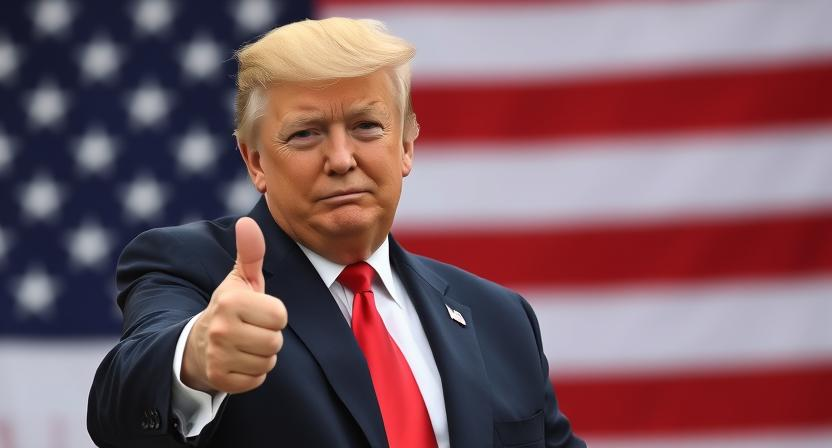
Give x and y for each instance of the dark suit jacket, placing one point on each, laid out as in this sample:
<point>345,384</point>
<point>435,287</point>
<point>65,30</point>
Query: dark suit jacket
<point>494,374</point>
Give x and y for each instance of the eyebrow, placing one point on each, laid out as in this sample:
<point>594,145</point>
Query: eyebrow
<point>369,108</point>
<point>303,119</point>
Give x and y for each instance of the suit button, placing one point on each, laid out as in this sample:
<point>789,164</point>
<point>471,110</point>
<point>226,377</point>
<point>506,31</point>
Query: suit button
<point>151,420</point>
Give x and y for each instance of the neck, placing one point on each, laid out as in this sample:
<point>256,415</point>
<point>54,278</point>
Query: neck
<point>343,250</point>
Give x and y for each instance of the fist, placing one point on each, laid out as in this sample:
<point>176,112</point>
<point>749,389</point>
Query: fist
<point>234,342</point>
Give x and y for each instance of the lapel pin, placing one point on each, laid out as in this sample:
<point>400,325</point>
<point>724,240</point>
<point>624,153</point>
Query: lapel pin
<point>456,315</point>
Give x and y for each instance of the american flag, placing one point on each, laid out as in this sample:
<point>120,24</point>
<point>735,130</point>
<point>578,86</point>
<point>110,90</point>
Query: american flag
<point>654,176</point>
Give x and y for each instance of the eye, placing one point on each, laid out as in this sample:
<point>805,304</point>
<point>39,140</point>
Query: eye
<point>306,133</point>
<point>305,138</point>
<point>368,130</point>
<point>368,125</point>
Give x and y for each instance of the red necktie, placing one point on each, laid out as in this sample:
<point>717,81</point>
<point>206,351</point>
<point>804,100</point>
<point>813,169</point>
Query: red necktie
<point>406,418</point>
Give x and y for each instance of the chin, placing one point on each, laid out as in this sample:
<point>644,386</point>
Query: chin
<point>348,221</point>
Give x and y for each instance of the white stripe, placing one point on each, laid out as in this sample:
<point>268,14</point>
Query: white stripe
<point>805,438</point>
<point>500,41</point>
<point>627,179</point>
<point>44,385</point>
<point>685,328</point>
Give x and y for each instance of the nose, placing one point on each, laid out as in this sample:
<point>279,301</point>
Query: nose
<point>339,153</point>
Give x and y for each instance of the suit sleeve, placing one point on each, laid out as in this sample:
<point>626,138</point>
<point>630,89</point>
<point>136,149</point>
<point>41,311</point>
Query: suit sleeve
<point>558,429</point>
<point>129,403</point>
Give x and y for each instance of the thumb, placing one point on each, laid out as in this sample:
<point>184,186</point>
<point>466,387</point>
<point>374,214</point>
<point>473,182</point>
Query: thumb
<point>251,248</point>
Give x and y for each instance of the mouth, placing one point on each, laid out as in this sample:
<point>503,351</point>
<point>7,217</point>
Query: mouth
<point>343,195</point>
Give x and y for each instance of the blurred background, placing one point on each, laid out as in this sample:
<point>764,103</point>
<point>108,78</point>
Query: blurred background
<point>654,176</point>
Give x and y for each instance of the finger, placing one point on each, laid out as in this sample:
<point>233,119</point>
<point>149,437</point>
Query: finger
<point>258,341</point>
<point>251,248</point>
<point>249,364</point>
<point>235,383</point>
<point>264,311</point>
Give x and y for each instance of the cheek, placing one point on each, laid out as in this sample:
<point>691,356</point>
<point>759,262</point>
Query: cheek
<point>387,163</point>
<point>387,174</point>
<point>293,175</point>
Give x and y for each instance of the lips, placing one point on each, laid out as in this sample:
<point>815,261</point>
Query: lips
<point>345,194</point>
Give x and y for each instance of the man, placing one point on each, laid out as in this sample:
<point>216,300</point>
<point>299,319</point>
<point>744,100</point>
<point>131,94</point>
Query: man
<point>305,323</point>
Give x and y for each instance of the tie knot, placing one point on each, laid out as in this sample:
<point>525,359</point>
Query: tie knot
<point>358,277</point>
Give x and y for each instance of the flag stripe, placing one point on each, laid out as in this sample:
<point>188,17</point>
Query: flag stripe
<point>684,326</point>
<point>48,384</point>
<point>509,41</point>
<point>745,248</point>
<point>652,103</point>
<point>774,398</point>
<point>791,438</point>
<point>516,184</point>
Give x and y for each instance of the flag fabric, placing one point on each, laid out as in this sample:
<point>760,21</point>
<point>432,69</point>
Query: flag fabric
<point>658,172</point>
<point>116,117</point>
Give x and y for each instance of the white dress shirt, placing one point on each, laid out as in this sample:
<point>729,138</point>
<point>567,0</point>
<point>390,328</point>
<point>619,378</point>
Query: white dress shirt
<point>195,409</point>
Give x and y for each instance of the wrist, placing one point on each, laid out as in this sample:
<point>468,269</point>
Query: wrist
<point>191,371</point>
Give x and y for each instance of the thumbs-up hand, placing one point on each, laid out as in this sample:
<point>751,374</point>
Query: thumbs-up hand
<point>234,342</point>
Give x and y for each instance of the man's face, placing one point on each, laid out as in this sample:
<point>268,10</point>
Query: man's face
<point>331,162</point>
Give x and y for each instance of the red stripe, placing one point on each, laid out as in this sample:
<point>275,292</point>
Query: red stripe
<point>685,101</point>
<point>749,247</point>
<point>775,398</point>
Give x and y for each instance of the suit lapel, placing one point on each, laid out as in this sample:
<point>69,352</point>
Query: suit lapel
<point>455,349</point>
<point>292,278</point>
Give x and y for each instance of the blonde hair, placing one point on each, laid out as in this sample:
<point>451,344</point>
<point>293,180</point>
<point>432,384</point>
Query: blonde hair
<point>315,51</point>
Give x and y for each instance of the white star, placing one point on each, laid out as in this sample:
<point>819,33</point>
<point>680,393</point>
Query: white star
<point>41,198</point>
<point>89,245</point>
<point>95,152</point>
<point>240,195</point>
<point>7,150</point>
<point>197,151</point>
<point>144,199</point>
<point>148,105</point>
<point>201,58</point>
<point>5,237</point>
<point>255,15</point>
<point>35,293</point>
<point>46,105</point>
<point>153,16</point>
<point>100,59</point>
<point>52,17</point>
<point>9,60</point>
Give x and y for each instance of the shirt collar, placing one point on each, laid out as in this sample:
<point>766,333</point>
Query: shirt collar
<point>379,260</point>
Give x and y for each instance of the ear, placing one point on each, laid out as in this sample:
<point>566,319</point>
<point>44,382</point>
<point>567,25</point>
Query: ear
<point>407,158</point>
<point>251,157</point>
<point>411,132</point>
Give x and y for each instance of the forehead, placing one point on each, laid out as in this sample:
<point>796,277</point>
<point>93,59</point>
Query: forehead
<point>373,92</point>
